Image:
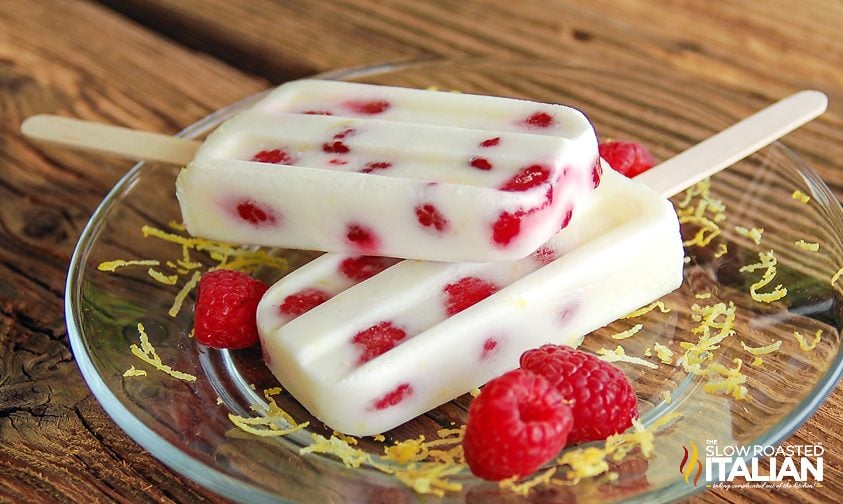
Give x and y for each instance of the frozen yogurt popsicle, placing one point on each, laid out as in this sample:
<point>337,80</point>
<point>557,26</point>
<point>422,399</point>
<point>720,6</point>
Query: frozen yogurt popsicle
<point>387,171</point>
<point>366,344</point>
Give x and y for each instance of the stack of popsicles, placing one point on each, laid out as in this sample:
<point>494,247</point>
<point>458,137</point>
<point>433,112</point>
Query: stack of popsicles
<point>514,235</point>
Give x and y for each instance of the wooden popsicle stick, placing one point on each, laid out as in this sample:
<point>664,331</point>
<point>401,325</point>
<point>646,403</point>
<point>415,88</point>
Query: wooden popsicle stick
<point>734,143</point>
<point>108,139</point>
<point>668,178</point>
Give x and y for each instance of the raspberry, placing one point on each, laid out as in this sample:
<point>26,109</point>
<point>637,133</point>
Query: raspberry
<point>602,398</point>
<point>465,292</point>
<point>507,227</point>
<point>274,156</point>
<point>255,213</point>
<point>596,173</point>
<point>490,142</point>
<point>335,147</point>
<point>539,120</point>
<point>363,267</point>
<point>226,306</point>
<point>375,166</point>
<point>527,178</point>
<point>302,301</point>
<point>368,107</point>
<point>517,423</point>
<point>628,158</point>
<point>361,236</point>
<point>378,339</point>
<point>480,163</point>
<point>394,397</point>
<point>430,216</point>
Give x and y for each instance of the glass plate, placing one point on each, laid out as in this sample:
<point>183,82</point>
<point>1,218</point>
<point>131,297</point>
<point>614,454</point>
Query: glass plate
<point>186,424</point>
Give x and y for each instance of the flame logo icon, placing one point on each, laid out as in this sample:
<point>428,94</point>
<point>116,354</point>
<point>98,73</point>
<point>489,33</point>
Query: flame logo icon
<point>691,461</point>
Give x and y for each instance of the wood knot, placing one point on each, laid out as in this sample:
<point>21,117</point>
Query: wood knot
<point>44,223</point>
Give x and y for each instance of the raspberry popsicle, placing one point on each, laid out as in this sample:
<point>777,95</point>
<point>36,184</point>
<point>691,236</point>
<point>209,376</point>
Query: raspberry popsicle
<point>387,171</point>
<point>366,344</point>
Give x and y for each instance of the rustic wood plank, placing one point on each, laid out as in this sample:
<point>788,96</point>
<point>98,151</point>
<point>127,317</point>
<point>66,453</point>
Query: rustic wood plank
<point>58,444</point>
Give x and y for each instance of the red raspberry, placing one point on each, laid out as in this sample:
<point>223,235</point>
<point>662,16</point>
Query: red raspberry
<point>527,178</point>
<point>507,227</point>
<point>362,237</point>
<point>466,292</point>
<point>539,120</point>
<point>602,398</point>
<point>628,158</point>
<point>378,339</point>
<point>226,306</point>
<point>360,268</point>
<point>274,156</point>
<point>372,107</point>
<point>480,163</point>
<point>302,302</point>
<point>517,423</point>
<point>430,216</point>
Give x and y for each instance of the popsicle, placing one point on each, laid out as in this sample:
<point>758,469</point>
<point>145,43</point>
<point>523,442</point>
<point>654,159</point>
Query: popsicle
<point>387,171</point>
<point>367,343</point>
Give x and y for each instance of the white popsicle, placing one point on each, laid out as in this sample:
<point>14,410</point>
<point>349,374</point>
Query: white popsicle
<point>346,167</point>
<point>377,353</point>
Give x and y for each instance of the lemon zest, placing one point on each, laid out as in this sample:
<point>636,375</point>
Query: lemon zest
<point>524,487</point>
<point>629,332</point>
<point>809,246</point>
<point>619,355</point>
<point>836,276</point>
<point>133,371</point>
<point>799,195</point>
<point>664,354</point>
<point>803,344</point>
<point>182,295</point>
<point>350,456</point>
<point>146,352</point>
<point>767,261</point>
<point>757,361</point>
<point>753,234</point>
<point>764,350</point>
<point>647,309</point>
<point>702,295</point>
<point>699,208</point>
<point>120,263</point>
<point>722,249</point>
<point>430,477</point>
<point>162,278</point>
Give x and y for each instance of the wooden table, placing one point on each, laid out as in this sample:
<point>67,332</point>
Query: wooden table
<point>162,64</point>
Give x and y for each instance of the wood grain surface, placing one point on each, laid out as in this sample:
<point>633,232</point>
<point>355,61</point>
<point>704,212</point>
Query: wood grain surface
<point>162,64</point>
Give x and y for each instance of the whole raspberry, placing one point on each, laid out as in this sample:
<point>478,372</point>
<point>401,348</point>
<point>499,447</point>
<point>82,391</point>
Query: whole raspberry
<point>226,307</point>
<point>517,423</point>
<point>628,158</point>
<point>600,394</point>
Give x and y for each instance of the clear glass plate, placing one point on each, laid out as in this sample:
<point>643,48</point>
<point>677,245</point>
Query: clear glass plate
<point>186,424</point>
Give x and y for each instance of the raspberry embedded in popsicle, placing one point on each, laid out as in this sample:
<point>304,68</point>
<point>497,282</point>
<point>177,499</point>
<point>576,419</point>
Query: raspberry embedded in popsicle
<point>474,158</point>
<point>430,217</point>
<point>359,268</point>
<point>303,301</point>
<point>465,292</point>
<point>394,397</point>
<point>256,214</point>
<point>377,339</point>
